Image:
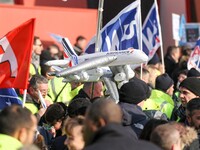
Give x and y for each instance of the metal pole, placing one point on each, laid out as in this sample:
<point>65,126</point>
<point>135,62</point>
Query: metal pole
<point>99,24</point>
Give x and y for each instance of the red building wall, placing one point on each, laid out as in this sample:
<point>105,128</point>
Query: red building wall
<point>68,22</point>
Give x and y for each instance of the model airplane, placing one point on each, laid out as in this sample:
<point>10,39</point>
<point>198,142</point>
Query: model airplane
<point>88,67</point>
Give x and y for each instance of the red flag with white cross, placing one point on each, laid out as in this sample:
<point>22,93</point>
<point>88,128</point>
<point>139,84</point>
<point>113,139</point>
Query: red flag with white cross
<point>15,55</point>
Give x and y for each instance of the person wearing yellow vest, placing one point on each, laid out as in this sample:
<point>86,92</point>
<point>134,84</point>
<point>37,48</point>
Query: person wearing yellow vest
<point>161,96</point>
<point>17,127</point>
<point>58,91</point>
<point>33,102</point>
<point>35,59</point>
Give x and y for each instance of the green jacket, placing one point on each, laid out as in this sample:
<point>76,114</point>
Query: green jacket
<point>159,101</point>
<point>9,143</point>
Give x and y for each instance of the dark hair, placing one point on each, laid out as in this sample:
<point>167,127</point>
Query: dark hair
<point>45,69</point>
<point>149,127</point>
<point>56,112</point>
<point>13,118</point>
<point>37,79</point>
<point>192,105</point>
<point>80,38</point>
<point>78,106</point>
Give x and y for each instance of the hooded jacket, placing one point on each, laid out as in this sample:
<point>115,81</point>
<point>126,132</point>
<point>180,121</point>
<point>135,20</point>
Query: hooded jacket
<point>133,117</point>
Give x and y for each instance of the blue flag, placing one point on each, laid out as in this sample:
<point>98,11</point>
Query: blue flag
<point>121,32</point>
<point>151,35</point>
<point>194,60</point>
<point>182,33</point>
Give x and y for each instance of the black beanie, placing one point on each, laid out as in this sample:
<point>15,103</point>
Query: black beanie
<point>192,84</point>
<point>163,82</point>
<point>193,73</point>
<point>134,91</point>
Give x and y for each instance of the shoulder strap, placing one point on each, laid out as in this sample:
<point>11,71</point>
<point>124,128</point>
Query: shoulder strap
<point>60,92</point>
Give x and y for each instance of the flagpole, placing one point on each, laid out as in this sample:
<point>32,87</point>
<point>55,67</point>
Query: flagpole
<point>99,24</point>
<point>140,35</point>
<point>161,42</point>
<point>24,98</point>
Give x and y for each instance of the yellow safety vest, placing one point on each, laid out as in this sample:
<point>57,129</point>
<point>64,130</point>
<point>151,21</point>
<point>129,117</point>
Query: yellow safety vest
<point>159,101</point>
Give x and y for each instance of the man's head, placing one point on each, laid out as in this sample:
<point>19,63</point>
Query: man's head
<point>19,123</point>
<point>174,52</point>
<point>189,89</point>
<point>193,113</point>
<point>134,92</point>
<point>37,46</point>
<point>99,114</point>
<point>165,84</point>
<point>81,42</point>
<point>167,137</point>
<point>93,89</point>
<point>145,74</point>
<point>78,107</point>
<point>40,83</point>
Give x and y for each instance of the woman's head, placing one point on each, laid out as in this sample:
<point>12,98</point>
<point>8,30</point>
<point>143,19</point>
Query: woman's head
<point>73,129</point>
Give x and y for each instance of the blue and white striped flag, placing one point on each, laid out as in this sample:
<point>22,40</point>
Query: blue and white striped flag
<point>122,32</point>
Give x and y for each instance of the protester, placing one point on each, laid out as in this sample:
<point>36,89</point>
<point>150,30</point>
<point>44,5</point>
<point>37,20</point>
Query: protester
<point>17,127</point>
<point>103,129</point>
<point>54,116</point>
<point>189,89</point>
<point>193,73</point>
<point>193,114</point>
<point>80,44</point>
<point>149,127</point>
<point>78,107</point>
<point>35,61</point>
<point>161,96</point>
<point>33,101</point>
<point>91,90</point>
<point>145,74</point>
<point>74,132</point>
<point>172,59</point>
<point>167,137</point>
<point>131,99</point>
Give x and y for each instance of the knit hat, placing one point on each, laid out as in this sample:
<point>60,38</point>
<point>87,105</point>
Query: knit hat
<point>193,73</point>
<point>134,91</point>
<point>192,84</point>
<point>163,82</point>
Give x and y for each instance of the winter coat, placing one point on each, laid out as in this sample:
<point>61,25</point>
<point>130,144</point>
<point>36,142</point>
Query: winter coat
<point>114,137</point>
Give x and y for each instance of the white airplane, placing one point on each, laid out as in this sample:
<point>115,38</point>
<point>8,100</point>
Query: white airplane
<point>89,66</point>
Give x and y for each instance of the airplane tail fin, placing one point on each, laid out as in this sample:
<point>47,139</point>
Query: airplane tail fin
<point>69,52</point>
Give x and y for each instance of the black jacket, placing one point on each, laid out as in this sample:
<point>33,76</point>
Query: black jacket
<point>114,137</point>
<point>133,117</point>
<point>81,94</point>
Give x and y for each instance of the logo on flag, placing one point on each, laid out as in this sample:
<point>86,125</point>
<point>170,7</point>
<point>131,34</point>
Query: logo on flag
<point>194,60</point>
<point>15,54</point>
<point>121,32</point>
<point>150,32</point>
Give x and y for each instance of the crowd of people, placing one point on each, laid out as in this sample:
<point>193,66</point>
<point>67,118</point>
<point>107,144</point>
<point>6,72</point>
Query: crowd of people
<point>161,110</point>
